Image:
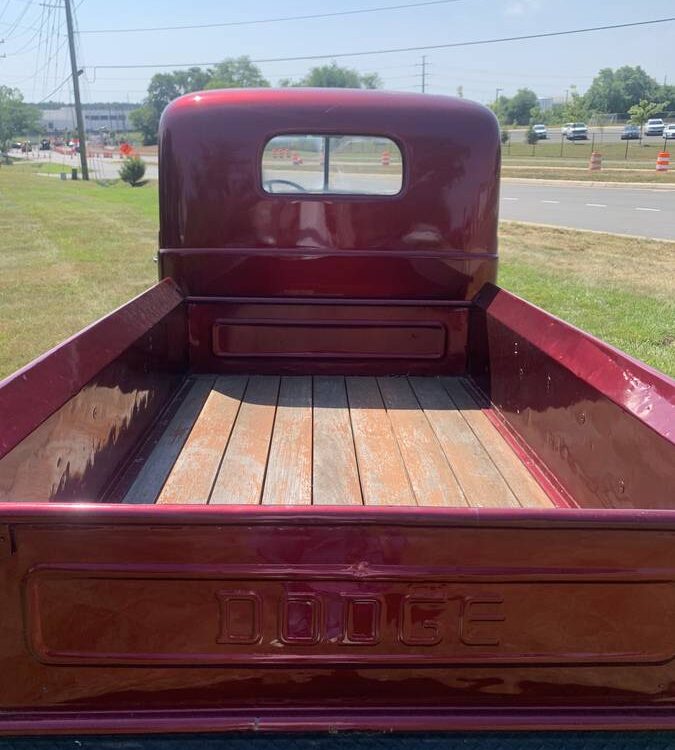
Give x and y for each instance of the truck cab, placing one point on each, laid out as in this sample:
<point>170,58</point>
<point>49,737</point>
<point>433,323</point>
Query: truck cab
<point>326,474</point>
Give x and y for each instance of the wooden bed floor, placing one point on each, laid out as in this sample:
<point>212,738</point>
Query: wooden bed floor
<point>332,440</point>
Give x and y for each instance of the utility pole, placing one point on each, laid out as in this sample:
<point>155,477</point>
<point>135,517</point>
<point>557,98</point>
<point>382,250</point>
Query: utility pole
<point>423,65</point>
<point>76,92</point>
<point>497,93</point>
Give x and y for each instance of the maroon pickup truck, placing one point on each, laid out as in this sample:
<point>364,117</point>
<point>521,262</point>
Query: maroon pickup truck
<point>325,474</point>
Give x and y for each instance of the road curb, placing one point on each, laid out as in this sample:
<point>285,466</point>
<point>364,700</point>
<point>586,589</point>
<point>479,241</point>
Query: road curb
<point>654,186</point>
<point>566,228</point>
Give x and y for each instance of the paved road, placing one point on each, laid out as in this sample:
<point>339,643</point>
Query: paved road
<point>637,211</point>
<point>100,168</point>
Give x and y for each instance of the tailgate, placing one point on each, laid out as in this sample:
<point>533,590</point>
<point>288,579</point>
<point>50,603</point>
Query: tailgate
<point>131,619</point>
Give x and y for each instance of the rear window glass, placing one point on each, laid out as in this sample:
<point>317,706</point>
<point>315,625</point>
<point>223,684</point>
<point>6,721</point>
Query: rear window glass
<point>332,164</point>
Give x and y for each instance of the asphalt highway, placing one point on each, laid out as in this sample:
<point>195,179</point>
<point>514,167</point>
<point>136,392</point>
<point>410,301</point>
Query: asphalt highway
<point>641,212</point>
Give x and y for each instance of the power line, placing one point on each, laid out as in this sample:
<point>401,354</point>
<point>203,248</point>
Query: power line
<point>307,17</point>
<point>56,90</point>
<point>451,45</point>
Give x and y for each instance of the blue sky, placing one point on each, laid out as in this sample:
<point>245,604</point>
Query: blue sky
<point>36,60</point>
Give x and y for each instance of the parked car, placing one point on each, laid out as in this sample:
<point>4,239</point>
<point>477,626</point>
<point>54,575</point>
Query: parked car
<point>45,144</point>
<point>654,126</point>
<point>541,131</point>
<point>26,147</point>
<point>577,132</point>
<point>669,131</point>
<point>16,145</point>
<point>630,133</point>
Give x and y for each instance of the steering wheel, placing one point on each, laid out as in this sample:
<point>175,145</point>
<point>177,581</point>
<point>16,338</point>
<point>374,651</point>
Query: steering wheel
<point>268,184</point>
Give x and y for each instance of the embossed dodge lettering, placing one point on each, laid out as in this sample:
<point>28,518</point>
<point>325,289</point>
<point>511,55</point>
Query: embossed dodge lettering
<point>303,619</point>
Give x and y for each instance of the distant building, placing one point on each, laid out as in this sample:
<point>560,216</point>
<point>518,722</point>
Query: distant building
<point>547,102</point>
<point>114,117</point>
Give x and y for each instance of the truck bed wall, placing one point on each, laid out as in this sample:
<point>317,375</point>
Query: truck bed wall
<point>599,421</point>
<point>340,336</point>
<point>72,418</point>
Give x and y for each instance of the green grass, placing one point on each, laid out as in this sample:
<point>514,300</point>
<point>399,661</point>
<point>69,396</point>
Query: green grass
<point>72,251</point>
<point>543,172</point>
<point>617,288</point>
<point>547,161</point>
<point>615,151</point>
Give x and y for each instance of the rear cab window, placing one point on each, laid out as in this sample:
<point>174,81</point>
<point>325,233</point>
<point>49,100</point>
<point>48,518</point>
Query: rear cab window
<point>332,165</point>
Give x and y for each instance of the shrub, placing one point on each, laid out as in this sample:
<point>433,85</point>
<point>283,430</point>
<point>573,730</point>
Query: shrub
<point>133,171</point>
<point>531,136</point>
<point>505,137</point>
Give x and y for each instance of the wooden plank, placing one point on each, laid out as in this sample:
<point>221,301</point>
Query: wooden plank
<point>478,476</point>
<point>431,477</point>
<point>515,474</point>
<point>336,476</point>
<point>194,472</point>
<point>288,480</point>
<point>384,480</point>
<point>242,472</point>
<point>150,480</point>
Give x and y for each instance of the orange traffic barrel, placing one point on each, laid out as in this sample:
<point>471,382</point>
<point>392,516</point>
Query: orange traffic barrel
<point>386,158</point>
<point>663,162</point>
<point>595,164</point>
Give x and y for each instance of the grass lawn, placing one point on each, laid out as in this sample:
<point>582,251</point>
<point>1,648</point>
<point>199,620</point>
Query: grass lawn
<point>617,288</point>
<point>72,251</point>
<point>544,172</point>
<point>614,151</point>
<point>546,161</point>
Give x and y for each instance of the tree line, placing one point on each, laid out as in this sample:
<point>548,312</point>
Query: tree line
<point>611,92</point>
<point>237,72</point>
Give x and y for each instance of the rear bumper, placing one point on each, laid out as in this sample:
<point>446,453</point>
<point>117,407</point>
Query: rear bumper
<point>483,740</point>
<point>402,725</point>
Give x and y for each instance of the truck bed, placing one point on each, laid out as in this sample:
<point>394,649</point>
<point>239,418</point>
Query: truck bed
<point>329,440</point>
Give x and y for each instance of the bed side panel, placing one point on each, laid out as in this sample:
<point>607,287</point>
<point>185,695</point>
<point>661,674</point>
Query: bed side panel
<point>71,418</point>
<point>602,422</point>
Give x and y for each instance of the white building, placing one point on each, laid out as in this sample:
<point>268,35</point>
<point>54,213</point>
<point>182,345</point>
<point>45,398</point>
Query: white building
<point>108,118</point>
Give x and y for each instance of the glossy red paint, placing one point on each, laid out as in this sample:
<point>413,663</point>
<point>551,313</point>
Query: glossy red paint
<point>337,336</point>
<point>465,617</point>
<point>601,422</point>
<point>72,418</point>
<point>222,234</point>
<point>120,618</point>
<point>37,390</point>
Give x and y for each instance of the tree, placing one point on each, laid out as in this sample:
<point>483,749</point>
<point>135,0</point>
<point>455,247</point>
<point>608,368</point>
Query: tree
<point>643,110</point>
<point>575,108</point>
<point>235,73</point>
<point>133,171</point>
<point>16,117</point>
<point>531,137</point>
<point>521,105</point>
<point>164,88</point>
<point>618,91</point>
<point>335,77</point>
